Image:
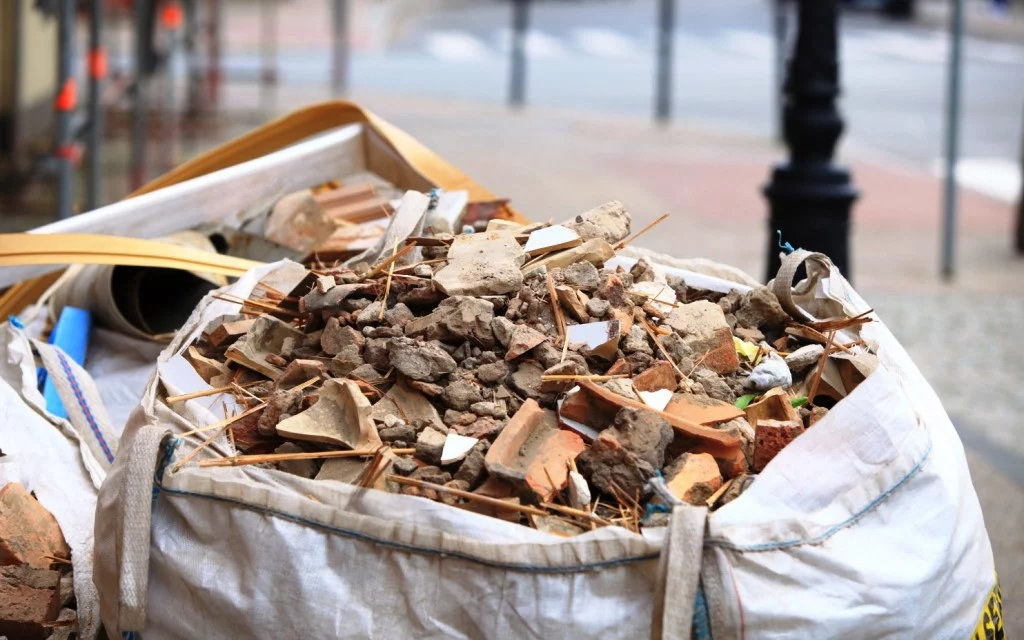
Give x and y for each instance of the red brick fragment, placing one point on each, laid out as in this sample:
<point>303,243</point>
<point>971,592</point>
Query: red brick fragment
<point>28,533</point>
<point>693,478</point>
<point>771,437</point>
<point>660,375</point>
<point>532,451</point>
<point>29,597</point>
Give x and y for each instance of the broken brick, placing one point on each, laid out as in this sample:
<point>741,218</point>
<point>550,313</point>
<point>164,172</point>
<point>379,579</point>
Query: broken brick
<point>701,409</point>
<point>29,534</point>
<point>693,477</point>
<point>774,405</point>
<point>29,599</point>
<point>771,437</point>
<point>661,375</point>
<point>533,452</point>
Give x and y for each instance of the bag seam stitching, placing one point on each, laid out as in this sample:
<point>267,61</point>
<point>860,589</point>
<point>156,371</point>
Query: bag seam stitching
<point>415,548</point>
<point>787,544</point>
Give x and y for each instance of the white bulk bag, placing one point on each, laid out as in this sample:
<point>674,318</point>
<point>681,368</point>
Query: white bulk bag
<point>866,526</point>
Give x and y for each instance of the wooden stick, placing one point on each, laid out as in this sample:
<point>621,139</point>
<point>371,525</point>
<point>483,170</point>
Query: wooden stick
<point>229,421</point>
<point>718,494</point>
<point>258,458</point>
<point>472,497</point>
<point>387,284</point>
<point>225,422</point>
<point>653,298</point>
<point>661,348</point>
<point>698,363</point>
<point>552,481</point>
<point>821,368</point>
<point>413,266</point>
<point>253,303</point>
<point>384,265</point>
<point>636,235</point>
<point>575,512</point>
<point>596,378</point>
<point>200,394</point>
<point>556,308</point>
<point>195,452</point>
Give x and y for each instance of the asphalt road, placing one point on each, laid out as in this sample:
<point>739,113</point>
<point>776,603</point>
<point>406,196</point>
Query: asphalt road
<point>598,55</point>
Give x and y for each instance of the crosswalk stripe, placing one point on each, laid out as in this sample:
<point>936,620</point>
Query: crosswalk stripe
<point>604,43</point>
<point>455,46</point>
<point>997,178</point>
<point>538,45</point>
<point>862,46</point>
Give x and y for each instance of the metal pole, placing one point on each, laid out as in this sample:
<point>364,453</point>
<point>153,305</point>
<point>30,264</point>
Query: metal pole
<point>138,154</point>
<point>663,80</point>
<point>340,53</point>
<point>192,57</point>
<point>97,73</point>
<point>517,78</point>
<point>949,205</point>
<point>168,111</point>
<point>65,107</point>
<point>780,23</point>
<point>810,197</point>
<point>268,36</point>
<point>213,70</point>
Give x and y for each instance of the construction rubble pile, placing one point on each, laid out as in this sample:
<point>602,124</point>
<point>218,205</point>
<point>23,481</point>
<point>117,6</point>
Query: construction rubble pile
<point>510,372</point>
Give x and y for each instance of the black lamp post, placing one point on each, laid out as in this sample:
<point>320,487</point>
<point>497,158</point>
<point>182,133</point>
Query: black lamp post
<point>810,197</point>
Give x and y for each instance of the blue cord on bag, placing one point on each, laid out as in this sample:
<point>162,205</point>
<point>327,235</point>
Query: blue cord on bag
<point>788,248</point>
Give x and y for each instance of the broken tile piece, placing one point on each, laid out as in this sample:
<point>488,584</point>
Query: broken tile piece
<point>340,417</point>
<point>551,238</point>
<point>774,405</point>
<point>523,339</point>
<point>693,477</point>
<point>533,452</point>
<point>456,448</point>
<point>660,375</point>
<point>702,409</point>
<point>264,338</point>
<point>28,532</point>
<point>601,339</point>
<point>771,437</point>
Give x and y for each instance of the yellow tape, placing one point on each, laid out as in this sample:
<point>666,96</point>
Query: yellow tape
<point>990,622</point>
<point>89,248</point>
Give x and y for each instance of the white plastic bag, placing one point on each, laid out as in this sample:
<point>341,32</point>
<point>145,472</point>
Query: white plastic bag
<point>866,526</point>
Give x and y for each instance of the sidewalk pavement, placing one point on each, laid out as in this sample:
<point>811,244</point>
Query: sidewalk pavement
<point>553,164</point>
